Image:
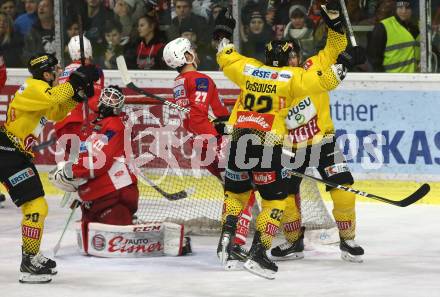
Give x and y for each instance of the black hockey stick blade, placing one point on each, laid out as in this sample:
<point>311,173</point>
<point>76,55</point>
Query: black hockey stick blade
<point>169,196</point>
<point>414,197</point>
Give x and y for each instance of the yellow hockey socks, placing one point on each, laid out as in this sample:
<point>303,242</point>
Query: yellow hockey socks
<point>34,214</point>
<point>344,213</point>
<point>291,221</point>
<point>269,220</point>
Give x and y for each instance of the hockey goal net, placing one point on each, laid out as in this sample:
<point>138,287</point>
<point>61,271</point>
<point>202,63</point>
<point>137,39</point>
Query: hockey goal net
<point>172,190</point>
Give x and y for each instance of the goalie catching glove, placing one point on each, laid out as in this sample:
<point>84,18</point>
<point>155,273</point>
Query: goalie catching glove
<point>62,177</point>
<point>332,15</point>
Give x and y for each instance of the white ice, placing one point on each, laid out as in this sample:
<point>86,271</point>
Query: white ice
<point>402,259</point>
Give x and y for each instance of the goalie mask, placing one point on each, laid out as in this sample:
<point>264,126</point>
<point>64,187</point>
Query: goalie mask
<point>174,53</point>
<point>278,52</point>
<point>111,101</point>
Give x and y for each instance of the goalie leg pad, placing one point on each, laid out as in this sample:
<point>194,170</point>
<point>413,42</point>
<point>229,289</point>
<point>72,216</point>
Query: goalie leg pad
<point>142,240</point>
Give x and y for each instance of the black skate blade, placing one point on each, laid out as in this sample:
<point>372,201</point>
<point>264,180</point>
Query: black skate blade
<point>290,256</point>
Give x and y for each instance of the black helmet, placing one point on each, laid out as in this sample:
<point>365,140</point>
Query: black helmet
<point>40,63</point>
<point>279,51</point>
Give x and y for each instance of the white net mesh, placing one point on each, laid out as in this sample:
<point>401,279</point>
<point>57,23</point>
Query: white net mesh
<point>162,151</point>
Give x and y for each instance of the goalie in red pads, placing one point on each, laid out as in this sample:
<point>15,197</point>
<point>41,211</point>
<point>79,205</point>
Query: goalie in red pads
<point>110,197</point>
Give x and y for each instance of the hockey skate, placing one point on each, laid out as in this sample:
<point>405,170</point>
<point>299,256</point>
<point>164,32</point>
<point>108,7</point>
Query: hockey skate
<point>351,251</point>
<point>237,257</point>
<point>2,200</point>
<point>289,251</point>
<point>226,238</point>
<point>258,262</point>
<point>34,271</point>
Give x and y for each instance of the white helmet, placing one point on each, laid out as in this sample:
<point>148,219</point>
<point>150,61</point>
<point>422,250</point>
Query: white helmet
<point>174,52</point>
<point>111,101</point>
<point>74,48</point>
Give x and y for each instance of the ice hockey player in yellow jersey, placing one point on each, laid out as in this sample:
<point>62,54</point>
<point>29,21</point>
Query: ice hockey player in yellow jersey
<point>258,135</point>
<point>36,102</point>
<point>311,130</point>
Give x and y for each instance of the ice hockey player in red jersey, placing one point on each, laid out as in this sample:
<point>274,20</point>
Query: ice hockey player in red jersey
<point>198,92</point>
<point>111,196</point>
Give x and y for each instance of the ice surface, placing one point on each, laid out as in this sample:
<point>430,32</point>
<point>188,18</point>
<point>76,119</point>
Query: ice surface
<point>402,259</point>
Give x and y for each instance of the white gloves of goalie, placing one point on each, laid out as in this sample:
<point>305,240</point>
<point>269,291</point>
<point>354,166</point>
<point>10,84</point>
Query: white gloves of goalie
<point>62,177</point>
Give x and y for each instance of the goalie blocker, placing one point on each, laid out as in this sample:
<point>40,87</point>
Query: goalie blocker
<point>133,241</point>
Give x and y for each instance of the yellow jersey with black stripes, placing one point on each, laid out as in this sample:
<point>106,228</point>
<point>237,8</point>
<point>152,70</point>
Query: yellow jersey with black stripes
<point>267,91</point>
<point>33,105</point>
<point>308,118</point>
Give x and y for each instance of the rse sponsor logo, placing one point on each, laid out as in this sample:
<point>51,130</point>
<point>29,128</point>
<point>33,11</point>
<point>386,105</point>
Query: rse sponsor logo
<point>202,84</point>
<point>21,176</point>
<point>98,242</point>
<point>261,88</point>
<point>336,168</point>
<point>251,70</point>
<point>264,178</point>
<point>254,120</point>
<point>236,176</point>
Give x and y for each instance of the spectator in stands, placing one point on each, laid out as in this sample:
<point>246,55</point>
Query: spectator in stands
<point>258,33</point>
<point>124,14</point>
<point>184,12</point>
<point>205,51</point>
<point>114,45</point>
<point>11,43</point>
<point>97,15</point>
<point>24,22</point>
<point>41,38</point>
<point>394,45</point>
<point>72,29</point>
<point>145,52</point>
<point>297,29</point>
<point>8,7</point>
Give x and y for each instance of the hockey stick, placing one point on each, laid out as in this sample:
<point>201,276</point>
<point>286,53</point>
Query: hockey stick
<point>348,23</point>
<point>123,70</point>
<point>414,197</point>
<point>169,196</point>
<point>44,145</point>
<point>69,219</point>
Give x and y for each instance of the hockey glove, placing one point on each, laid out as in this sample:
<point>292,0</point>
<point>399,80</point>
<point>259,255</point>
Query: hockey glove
<point>220,125</point>
<point>340,71</point>
<point>62,177</point>
<point>224,25</point>
<point>82,81</point>
<point>332,15</point>
<point>352,56</point>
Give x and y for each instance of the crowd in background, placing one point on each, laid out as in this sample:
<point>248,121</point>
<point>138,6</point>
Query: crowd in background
<point>139,29</point>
